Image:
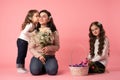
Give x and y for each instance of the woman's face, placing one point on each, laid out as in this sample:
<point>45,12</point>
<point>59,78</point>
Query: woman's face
<point>95,30</point>
<point>44,19</point>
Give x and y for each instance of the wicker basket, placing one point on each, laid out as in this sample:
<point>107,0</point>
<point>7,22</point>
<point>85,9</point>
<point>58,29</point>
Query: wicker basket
<point>82,71</point>
<point>78,70</point>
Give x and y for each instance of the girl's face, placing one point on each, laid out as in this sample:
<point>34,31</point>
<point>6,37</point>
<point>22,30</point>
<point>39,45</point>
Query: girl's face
<point>35,17</point>
<point>44,19</point>
<point>95,30</point>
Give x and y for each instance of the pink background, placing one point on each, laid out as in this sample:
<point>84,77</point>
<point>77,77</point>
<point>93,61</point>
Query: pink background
<point>72,18</point>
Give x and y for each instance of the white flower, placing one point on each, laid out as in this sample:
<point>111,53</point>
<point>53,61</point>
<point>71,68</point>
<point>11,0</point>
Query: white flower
<point>45,37</point>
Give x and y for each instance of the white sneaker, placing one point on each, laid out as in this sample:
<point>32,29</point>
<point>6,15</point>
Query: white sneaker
<point>21,70</point>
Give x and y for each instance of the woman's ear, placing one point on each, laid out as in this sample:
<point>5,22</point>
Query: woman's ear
<point>30,18</point>
<point>49,18</point>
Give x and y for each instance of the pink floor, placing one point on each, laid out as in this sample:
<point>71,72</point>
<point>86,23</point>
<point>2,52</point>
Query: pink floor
<point>11,74</point>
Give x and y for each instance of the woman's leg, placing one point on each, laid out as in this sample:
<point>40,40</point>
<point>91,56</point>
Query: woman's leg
<point>36,67</point>
<point>51,65</point>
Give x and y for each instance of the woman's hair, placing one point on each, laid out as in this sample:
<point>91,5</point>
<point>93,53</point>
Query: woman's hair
<point>93,38</point>
<point>50,24</point>
<point>29,17</point>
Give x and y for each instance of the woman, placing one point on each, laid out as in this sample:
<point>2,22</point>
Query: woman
<point>44,48</point>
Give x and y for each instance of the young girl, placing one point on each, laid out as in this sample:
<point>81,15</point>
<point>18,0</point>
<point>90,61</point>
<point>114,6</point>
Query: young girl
<point>44,60</point>
<point>28,26</point>
<point>99,48</point>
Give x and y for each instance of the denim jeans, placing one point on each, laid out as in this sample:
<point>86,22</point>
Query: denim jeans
<point>22,46</point>
<point>50,67</point>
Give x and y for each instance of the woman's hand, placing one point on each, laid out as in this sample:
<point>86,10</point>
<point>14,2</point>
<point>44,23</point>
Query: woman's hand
<point>42,59</point>
<point>45,50</point>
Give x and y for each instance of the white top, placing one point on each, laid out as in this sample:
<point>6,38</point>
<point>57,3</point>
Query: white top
<point>26,32</point>
<point>104,57</point>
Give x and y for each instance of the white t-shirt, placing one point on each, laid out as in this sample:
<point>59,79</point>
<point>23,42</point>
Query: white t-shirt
<point>104,57</point>
<point>25,33</point>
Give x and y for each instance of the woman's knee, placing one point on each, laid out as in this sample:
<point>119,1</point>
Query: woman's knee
<point>34,72</point>
<point>52,71</point>
<point>52,67</point>
<point>35,67</point>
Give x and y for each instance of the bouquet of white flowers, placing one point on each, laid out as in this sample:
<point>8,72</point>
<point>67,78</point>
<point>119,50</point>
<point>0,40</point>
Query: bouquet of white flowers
<point>43,38</point>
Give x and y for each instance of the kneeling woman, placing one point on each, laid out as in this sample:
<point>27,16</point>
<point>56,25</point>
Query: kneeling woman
<point>43,45</point>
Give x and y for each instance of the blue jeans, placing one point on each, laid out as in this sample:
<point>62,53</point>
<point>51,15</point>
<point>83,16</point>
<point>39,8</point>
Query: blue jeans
<point>22,46</point>
<point>50,67</point>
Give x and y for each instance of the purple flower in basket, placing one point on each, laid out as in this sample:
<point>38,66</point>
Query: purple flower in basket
<point>82,64</point>
<point>76,65</point>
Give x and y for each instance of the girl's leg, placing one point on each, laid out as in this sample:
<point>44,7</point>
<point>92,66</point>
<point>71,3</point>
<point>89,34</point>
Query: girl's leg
<point>51,65</point>
<point>36,67</point>
<point>100,66</point>
<point>96,67</point>
<point>22,52</point>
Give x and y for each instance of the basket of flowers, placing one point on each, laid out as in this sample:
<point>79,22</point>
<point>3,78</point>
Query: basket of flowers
<point>79,69</point>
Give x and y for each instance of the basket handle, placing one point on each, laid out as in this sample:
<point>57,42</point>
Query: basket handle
<point>81,46</point>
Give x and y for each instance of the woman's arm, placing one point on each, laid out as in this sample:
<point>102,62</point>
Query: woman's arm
<point>32,48</point>
<point>56,45</point>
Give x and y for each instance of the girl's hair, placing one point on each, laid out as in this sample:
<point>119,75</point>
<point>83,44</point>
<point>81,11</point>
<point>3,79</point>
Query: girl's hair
<point>28,17</point>
<point>93,38</point>
<point>50,24</point>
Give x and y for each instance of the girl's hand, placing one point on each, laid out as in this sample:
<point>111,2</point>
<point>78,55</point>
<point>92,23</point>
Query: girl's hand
<point>88,60</point>
<point>42,59</point>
